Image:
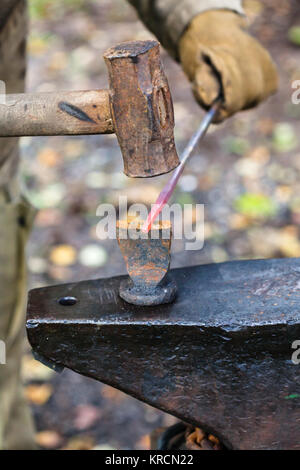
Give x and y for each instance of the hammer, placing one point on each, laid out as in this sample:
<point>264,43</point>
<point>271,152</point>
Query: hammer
<point>137,107</point>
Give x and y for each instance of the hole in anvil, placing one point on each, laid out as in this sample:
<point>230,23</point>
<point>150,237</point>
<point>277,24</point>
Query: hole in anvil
<point>67,301</point>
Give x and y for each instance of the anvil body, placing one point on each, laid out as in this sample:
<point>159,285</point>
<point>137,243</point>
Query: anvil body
<point>219,357</point>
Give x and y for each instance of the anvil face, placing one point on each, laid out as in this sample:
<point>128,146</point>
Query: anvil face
<point>219,357</point>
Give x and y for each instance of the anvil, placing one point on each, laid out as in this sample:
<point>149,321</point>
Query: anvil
<point>218,357</point>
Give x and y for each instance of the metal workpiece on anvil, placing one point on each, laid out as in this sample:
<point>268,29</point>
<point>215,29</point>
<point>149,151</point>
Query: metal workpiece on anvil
<point>147,259</point>
<point>218,357</point>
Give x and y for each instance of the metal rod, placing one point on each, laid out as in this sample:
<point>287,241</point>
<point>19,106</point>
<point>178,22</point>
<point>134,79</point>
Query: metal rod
<point>168,190</point>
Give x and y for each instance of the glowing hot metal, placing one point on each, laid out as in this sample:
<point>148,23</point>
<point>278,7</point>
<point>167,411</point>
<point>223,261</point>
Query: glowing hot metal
<point>167,191</point>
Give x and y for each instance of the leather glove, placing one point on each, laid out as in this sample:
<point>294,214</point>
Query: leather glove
<point>219,56</point>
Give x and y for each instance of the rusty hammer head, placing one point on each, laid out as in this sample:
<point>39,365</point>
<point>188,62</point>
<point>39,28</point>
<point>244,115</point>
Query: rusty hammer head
<point>141,108</point>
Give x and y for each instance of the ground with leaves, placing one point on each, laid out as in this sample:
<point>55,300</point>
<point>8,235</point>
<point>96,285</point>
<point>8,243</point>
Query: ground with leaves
<point>247,173</point>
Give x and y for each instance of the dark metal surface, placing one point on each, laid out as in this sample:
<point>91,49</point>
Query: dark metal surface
<point>219,357</point>
<point>142,108</point>
<point>163,293</point>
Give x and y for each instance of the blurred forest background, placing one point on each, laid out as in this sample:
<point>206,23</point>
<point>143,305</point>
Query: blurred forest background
<point>247,173</point>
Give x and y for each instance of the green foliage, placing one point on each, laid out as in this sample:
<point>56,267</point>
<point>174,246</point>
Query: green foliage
<point>50,196</point>
<point>255,205</point>
<point>183,198</point>
<point>38,8</point>
<point>284,137</point>
<point>46,8</point>
<point>292,396</point>
<point>236,145</point>
<point>294,35</point>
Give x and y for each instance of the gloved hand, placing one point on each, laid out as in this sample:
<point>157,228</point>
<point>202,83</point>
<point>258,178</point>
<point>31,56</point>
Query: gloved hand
<point>218,55</point>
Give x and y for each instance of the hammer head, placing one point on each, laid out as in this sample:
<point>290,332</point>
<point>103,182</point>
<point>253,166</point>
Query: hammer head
<point>141,108</point>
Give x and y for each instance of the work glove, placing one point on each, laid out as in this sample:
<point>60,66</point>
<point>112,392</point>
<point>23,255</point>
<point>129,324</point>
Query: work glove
<point>219,56</point>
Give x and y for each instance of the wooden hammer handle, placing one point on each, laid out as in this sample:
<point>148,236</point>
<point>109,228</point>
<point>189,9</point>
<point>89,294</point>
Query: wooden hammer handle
<point>56,113</point>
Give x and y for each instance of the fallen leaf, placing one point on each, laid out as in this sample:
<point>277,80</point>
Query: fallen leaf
<point>49,157</point>
<point>260,154</point>
<point>284,137</point>
<point>63,255</point>
<point>86,416</point>
<point>238,221</point>
<point>37,45</point>
<point>255,205</point>
<point>207,182</point>
<point>144,443</point>
<point>57,61</point>
<point>248,167</point>
<point>263,241</point>
<point>47,197</point>
<point>93,256</point>
<point>97,179</point>
<point>74,148</point>
<point>288,242</point>
<point>218,254</point>
<point>283,193</point>
<point>48,439</point>
<point>48,217</point>
<point>37,265</point>
<point>38,394</point>
<point>265,126</point>
<point>236,145</point>
<point>80,443</point>
<point>59,273</point>
<point>294,35</point>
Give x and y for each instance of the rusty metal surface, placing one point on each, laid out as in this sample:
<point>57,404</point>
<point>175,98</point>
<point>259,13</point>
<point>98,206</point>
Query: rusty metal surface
<point>147,259</point>
<point>219,357</point>
<point>56,113</point>
<point>142,108</point>
<point>182,436</point>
